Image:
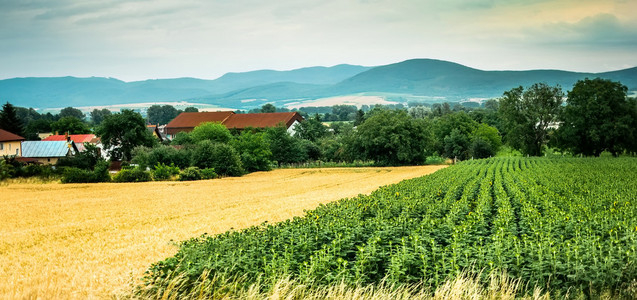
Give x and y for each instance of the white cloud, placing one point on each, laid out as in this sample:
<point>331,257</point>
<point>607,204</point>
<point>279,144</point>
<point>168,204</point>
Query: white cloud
<point>164,38</point>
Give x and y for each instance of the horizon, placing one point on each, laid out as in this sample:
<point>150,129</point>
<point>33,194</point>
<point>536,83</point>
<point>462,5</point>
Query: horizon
<point>166,39</point>
<point>232,72</point>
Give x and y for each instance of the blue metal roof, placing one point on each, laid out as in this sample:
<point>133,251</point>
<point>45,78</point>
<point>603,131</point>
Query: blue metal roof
<point>46,148</point>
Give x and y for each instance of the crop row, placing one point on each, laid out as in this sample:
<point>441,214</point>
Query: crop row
<point>556,223</point>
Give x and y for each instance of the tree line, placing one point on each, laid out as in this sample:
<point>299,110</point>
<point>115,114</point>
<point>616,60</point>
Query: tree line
<point>595,116</point>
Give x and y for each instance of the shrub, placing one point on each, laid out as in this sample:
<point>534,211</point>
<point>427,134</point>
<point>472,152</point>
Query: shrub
<point>222,157</point>
<point>149,157</point>
<point>32,170</point>
<point>5,170</point>
<point>191,173</point>
<point>164,172</point>
<point>76,175</point>
<point>132,175</point>
<point>208,173</point>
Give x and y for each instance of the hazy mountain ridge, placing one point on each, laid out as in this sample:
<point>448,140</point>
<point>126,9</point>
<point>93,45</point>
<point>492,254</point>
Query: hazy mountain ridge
<point>416,77</point>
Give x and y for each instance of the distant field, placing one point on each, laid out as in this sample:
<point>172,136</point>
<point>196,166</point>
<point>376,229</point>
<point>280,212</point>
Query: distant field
<point>92,240</point>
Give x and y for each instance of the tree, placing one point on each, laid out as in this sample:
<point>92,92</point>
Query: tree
<point>598,117</point>
<point>37,126</point>
<point>70,125</point>
<point>71,112</point>
<point>285,148</point>
<point>268,108</point>
<point>191,109</point>
<point>86,159</point>
<point>443,128</point>
<point>98,115</point>
<point>9,120</point>
<point>254,151</point>
<point>157,114</point>
<point>211,131</point>
<point>360,117</point>
<point>121,132</point>
<point>392,137</point>
<point>456,145</point>
<point>528,114</point>
<point>222,157</point>
<point>488,134</point>
<point>311,129</point>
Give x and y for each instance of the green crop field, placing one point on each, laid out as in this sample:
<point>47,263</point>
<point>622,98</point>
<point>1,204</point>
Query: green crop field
<point>566,225</point>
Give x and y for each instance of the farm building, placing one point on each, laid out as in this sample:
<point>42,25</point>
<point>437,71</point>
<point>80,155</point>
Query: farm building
<point>263,120</point>
<point>10,143</point>
<point>188,121</point>
<point>154,130</point>
<point>47,152</point>
<point>79,140</point>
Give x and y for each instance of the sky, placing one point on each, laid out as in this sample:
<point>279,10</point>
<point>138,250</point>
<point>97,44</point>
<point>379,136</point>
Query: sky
<point>139,39</point>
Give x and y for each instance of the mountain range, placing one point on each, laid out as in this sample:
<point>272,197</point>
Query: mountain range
<point>424,80</point>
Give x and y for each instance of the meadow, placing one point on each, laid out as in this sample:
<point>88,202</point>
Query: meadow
<point>87,241</point>
<point>566,226</point>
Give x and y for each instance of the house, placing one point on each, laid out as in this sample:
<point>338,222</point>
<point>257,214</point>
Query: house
<point>78,139</point>
<point>10,144</point>
<point>186,122</point>
<point>48,152</point>
<point>154,130</point>
<point>264,120</point>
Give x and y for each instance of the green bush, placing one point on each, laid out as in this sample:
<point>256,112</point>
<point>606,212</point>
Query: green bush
<point>208,173</point>
<point>132,175</point>
<point>222,157</point>
<point>191,173</point>
<point>5,170</point>
<point>164,172</point>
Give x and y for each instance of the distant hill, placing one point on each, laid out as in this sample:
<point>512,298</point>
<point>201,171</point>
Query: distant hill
<point>416,78</point>
<point>437,78</point>
<point>42,92</point>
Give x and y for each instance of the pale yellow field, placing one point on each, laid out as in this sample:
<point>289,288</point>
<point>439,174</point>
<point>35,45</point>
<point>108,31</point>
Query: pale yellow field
<point>92,240</point>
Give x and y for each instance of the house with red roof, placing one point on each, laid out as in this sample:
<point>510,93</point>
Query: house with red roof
<point>10,143</point>
<point>264,120</point>
<point>186,122</point>
<point>79,140</point>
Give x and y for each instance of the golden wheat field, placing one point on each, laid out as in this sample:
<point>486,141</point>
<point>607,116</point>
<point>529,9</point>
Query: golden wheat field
<point>92,241</point>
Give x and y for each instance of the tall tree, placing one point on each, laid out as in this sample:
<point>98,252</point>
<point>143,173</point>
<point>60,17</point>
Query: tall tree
<point>528,114</point>
<point>392,137</point>
<point>311,129</point>
<point>158,114</point>
<point>268,108</point>
<point>72,112</point>
<point>121,132</point>
<point>70,125</point>
<point>9,120</point>
<point>98,115</point>
<point>598,117</point>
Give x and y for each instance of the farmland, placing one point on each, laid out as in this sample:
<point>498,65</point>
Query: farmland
<point>566,225</point>
<point>93,240</point>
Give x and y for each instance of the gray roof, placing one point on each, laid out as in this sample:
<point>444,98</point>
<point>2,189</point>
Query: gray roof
<point>45,148</point>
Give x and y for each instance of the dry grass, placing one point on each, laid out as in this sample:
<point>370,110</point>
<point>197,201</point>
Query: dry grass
<point>465,287</point>
<point>92,240</point>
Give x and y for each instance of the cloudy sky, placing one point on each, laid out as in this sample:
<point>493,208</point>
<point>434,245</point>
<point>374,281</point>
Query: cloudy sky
<point>136,40</point>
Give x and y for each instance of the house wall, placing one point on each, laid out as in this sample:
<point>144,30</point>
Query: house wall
<point>10,148</point>
<point>47,160</point>
<point>291,130</point>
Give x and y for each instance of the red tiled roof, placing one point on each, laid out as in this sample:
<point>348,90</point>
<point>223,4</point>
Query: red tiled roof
<point>77,138</point>
<point>262,120</point>
<point>6,136</point>
<point>186,121</point>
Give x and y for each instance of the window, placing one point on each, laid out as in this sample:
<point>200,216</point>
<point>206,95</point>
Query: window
<point>1,146</point>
